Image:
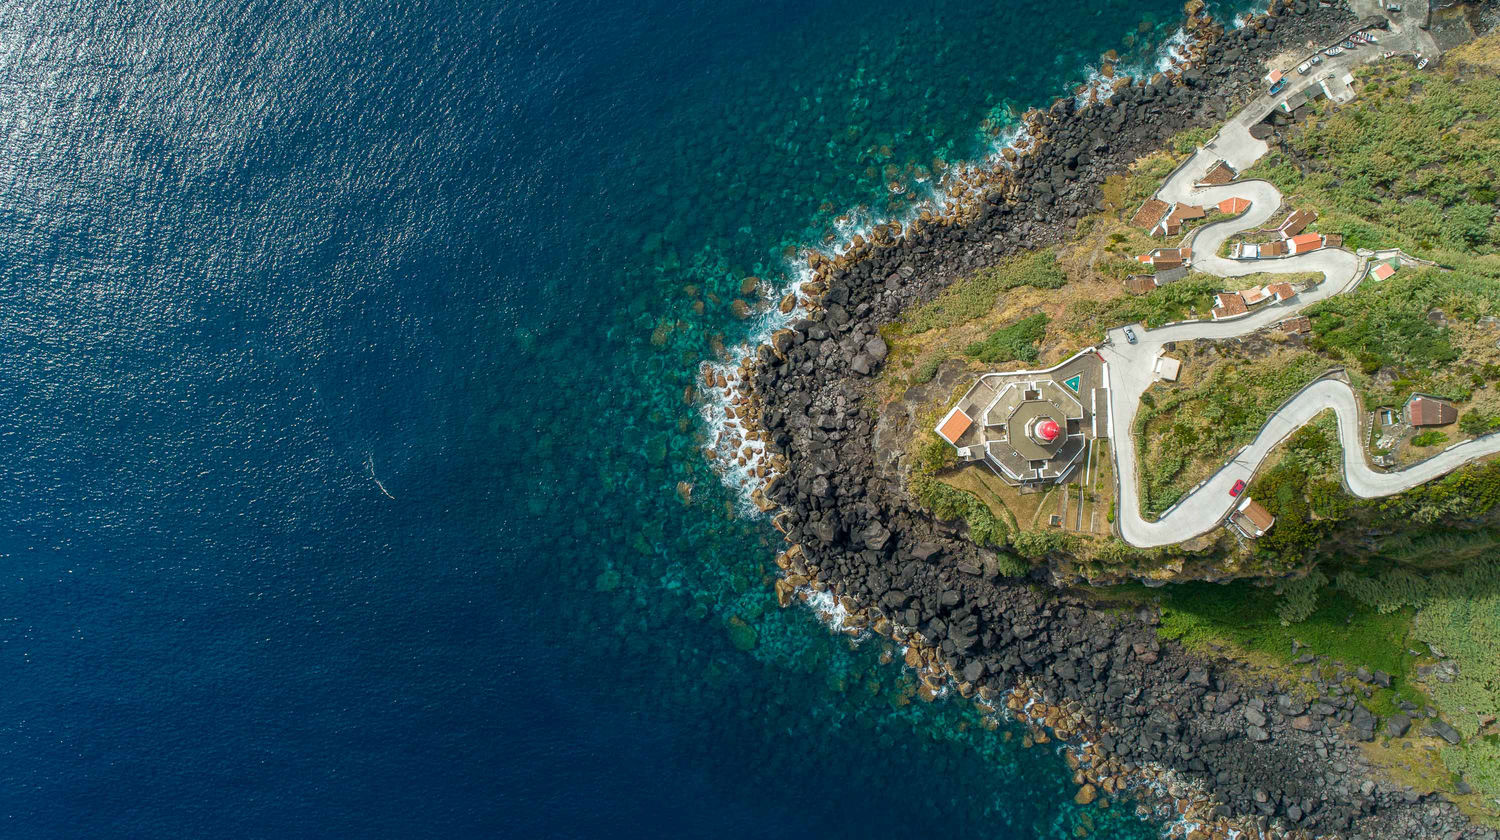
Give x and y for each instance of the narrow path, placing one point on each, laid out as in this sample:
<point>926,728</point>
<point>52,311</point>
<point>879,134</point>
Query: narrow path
<point>1130,366</point>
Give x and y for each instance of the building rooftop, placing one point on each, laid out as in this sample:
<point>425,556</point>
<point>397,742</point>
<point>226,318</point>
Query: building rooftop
<point>1383,271</point>
<point>1169,275</point>
<point>1168,368</point>
<point>1423,410</point>
<point>1234,206</point>
<point>1150,214</point>
<point>1282,291</point>
<point>1229,305</point>
<point>1139,284</point>
<point>1256,295</point>
<point>954,425</point>
<point>1306,242</point>
<point>1297,326</point>
<point>1251,519</point>
<point>1219,173</point>
<point>1297,221</point>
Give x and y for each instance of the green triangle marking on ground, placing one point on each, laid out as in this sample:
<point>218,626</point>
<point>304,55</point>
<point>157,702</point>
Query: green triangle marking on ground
<point>1073,382</point>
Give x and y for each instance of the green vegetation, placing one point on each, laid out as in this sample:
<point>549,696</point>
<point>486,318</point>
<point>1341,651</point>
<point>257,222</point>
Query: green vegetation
<point>976,294</point>
<point>1301,490</point>
<point>1035,545</point>
<point>1459,615</point>
<point>1385,324</point>
<point>985,528</point>
<point>1477,422</point>
<point>1185,430</point>
<point>926,370</point>
<point>1470,492</point>
<point>1414,166</point>
<point>1431,437</point>
<point>1017,341</point>
<point>1334,624</point>
<point>1189,297</point>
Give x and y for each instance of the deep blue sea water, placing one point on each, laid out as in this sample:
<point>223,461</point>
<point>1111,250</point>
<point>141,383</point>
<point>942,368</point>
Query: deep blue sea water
<point>346,366</point>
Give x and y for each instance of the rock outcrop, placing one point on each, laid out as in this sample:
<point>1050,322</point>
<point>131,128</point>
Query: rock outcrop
<point>1266,758</point>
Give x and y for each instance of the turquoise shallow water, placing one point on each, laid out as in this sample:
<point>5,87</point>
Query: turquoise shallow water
<point>349,388</point>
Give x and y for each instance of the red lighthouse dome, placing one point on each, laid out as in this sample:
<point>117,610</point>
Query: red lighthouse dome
<point>1047,430</point>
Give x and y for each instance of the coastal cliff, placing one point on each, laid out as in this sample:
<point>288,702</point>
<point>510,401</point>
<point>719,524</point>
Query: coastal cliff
<point>1226,751</point>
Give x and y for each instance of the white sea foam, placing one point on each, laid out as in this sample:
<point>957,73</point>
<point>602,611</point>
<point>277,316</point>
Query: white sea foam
<point>832,613</point>
<point>739,460</point>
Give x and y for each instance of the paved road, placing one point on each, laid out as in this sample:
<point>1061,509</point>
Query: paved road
<point>1131,366</point>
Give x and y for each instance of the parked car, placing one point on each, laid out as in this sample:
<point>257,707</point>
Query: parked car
<point>1130,335</point>
<point>1304,67</point>
<point>1238,488</point>
<point>1393,7</point>
<point>1315,60</point>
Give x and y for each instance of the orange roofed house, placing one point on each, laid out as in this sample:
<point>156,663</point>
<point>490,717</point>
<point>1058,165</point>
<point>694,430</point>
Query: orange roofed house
<point>1304,243</point>
<point>1172,224</point>
<point>1167,257</point>
<point>1234,206</point>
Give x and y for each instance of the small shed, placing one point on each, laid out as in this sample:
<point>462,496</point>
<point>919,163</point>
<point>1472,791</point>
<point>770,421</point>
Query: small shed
<point>1427,410</point>
<point>1171,275</point>
<point>1150,214</point>
<point>1382,271</point>
<point>1167,368</point>
<point>1300,325</point>
<point>1139,284</point>
<point>1219,173</point>
<point>1296,222</point>
<point>1251,519</point>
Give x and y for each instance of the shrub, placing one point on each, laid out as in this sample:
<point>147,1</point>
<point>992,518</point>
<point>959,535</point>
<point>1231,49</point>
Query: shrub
<point>1477,422</point>
<point>1299,598</point>
<point>976,294</point>
<point>985,528</point>
<point>926,371</point>
<point>1010,343</point>
<point>1034,545</point>
<point>1431,437</point>
<point>1011,565</point>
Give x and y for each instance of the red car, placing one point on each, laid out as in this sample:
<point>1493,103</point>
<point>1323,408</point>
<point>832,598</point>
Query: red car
<point>1238,488</point>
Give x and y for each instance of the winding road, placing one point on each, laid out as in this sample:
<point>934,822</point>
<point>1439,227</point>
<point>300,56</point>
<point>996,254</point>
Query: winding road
<point>1130,366</point>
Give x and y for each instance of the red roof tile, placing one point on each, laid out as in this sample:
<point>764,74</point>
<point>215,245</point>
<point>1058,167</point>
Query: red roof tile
<point>954,427</point>
<point>1234,206</point>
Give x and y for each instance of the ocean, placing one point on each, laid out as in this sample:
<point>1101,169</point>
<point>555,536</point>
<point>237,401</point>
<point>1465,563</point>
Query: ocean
<point>350,444</point>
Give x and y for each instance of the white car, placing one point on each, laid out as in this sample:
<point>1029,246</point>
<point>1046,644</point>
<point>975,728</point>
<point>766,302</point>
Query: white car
<point>1304,67</point>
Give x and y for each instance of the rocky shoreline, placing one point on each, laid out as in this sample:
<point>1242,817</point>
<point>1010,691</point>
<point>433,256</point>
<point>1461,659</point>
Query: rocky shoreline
<point>1258,759</point>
